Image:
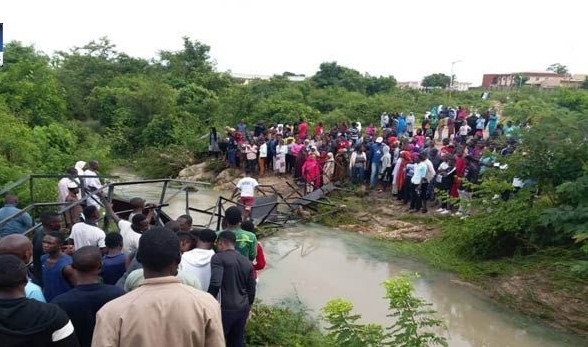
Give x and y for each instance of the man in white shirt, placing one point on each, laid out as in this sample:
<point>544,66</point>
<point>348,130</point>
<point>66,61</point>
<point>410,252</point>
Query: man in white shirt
<point>464,130</point>
<point>419,185</point>
<point>92,183</point>
<point>87,233</point>
<point>130,231</point>
<point>197,261</point>
<point>247,187</point>
<point>262,158</point>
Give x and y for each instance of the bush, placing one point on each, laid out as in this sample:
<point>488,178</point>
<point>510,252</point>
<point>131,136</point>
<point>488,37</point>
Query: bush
<point>344,329</point>
<point>413,320</point>
<point>280,325</point>
<point>163,162</point>
<point>498,228</point>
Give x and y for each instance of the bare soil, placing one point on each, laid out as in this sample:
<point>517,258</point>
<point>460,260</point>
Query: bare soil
<point>537,294</point>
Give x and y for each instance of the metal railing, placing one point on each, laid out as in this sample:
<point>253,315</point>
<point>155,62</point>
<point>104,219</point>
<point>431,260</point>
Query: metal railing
<point>186,186</point>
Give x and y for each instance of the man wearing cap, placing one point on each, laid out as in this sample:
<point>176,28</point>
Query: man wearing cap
<point>376,153</point>
<point>65,182</point>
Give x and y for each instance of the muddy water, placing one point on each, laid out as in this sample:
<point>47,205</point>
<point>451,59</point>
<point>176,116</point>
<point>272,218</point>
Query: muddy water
<point>315,264</point>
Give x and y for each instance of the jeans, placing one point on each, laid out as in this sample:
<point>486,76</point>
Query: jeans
<point>232,156</point>
<point>234,326</point>
<point>374,174</point>
<point>250,166</point>
<point>357,173</point>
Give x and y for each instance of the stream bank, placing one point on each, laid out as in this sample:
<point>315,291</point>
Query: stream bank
<point>540,285</point>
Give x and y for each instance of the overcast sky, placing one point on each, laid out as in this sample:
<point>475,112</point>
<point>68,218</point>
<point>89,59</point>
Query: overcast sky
<point>407,39</point>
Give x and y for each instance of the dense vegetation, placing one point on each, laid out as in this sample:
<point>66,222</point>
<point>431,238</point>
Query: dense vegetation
<point>93,102</point>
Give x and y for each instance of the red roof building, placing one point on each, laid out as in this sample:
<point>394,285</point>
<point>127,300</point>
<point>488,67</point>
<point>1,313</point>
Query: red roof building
<point>505,81</point>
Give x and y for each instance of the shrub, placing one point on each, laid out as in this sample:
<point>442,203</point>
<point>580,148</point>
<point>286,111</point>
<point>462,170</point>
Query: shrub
<point>157,162</point>
<point>344,329</point>
<point>498,228</point>
<point>280,325</point>
<point>413,316</point>
<point>413,320</point>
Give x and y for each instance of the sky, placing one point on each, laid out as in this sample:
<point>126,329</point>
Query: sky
<point>406,39</point>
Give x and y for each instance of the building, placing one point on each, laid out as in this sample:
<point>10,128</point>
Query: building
<point>545,80</point>
<point>461,86</point>
<point>246,78</point>
<point>409,84</point>
<point>457,86</point>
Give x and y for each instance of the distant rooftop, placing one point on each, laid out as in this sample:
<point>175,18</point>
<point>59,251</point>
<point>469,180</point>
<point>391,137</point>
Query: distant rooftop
<point>250,77</point>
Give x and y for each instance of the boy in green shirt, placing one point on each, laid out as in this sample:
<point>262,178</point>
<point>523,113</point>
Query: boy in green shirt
<point>246,241</point>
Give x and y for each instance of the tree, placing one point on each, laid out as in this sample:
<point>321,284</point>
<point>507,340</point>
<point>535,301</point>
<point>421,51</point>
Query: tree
<point>334,75</point>
<point>29,86</point>
<point>376,85</point>
<point>584,84</point>
<point>84,68</point>
<point>436,80</point>
<point>558,68</point>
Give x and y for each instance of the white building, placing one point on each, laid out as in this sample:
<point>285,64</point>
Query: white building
<point>246,78</point>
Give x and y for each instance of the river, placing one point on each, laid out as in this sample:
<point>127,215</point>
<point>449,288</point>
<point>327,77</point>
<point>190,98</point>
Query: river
<point>314,264</point>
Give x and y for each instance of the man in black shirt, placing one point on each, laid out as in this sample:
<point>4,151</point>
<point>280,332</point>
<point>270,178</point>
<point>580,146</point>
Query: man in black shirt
<point>233,275</point>
<point>26,322</point>
<point>82,302</point>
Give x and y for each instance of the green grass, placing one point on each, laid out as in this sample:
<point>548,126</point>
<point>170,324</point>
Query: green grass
<point>442,255</point>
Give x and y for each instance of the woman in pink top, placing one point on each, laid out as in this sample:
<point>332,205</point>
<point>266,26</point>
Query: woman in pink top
<point>419,138</point>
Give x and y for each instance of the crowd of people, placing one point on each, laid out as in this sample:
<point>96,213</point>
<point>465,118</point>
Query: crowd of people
<point>438,157</point>
<point>141,285</point>
<point>90,287</point>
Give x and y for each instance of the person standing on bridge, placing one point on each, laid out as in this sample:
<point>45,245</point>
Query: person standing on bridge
<point>93,184</point>
<point>247,187</point>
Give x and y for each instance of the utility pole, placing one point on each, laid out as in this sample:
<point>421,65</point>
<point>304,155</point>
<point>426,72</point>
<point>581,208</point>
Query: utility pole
<point>1,44</point>
<point>451,81</point>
